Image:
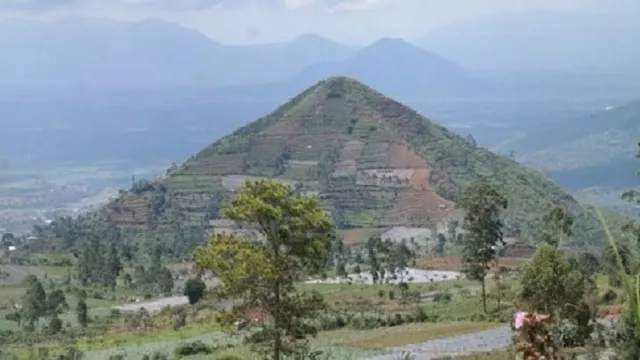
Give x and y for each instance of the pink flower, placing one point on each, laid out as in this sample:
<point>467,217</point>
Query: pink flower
<point>518,319</point>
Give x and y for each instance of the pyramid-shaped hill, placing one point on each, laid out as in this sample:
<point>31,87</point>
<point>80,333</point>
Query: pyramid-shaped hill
<point>375,164</point>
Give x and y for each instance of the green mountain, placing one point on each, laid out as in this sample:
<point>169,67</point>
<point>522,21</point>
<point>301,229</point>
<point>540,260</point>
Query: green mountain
<point>375,163</point>
<point>595,151</point>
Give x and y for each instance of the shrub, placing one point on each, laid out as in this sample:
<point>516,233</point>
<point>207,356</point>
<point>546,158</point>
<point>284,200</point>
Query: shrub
<point>399,319</point>
<point>419,315</point>
<point>442,297</point>
<point>193,348</point>
<point>194,290</point>
<point>229,357</point>
<point>610,296</point>
<point>97,295</point>
<point>179,320</point>
<point>117,357</point>
<point>155,356</point>
<point>263,335</point>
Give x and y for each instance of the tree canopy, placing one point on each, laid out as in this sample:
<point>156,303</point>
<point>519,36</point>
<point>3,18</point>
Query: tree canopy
<point>296,236</point>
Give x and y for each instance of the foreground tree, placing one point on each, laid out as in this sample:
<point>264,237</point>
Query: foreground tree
<point>559,288</point>
<point>296,238</point>
<point>483,226</point>
<point>549,284</point>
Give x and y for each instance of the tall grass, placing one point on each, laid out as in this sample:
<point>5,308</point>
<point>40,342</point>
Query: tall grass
<point>630,283</point>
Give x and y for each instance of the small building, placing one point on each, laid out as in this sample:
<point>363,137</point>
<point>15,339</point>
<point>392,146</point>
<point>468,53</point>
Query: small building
<point>11,248</point>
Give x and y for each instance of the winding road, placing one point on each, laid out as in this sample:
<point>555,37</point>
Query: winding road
<point>482,341</point>
<point>478,342</point>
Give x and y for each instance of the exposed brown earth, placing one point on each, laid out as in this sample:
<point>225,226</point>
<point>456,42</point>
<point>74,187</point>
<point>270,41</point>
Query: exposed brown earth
<point>401,156</point>
<point>455,264</point>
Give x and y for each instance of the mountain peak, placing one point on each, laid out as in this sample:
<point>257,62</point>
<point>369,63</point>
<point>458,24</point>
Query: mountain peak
<point>374,163</point>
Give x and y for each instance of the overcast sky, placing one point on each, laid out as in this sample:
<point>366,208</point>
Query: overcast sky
<point>249,21</point>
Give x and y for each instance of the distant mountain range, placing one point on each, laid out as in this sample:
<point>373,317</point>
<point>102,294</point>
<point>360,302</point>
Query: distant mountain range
<point>78,55</point>
<point>97,54</point>
<point>95,83</point>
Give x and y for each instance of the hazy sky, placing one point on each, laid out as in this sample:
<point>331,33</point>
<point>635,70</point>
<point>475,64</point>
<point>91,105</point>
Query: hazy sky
<point>246,21</point>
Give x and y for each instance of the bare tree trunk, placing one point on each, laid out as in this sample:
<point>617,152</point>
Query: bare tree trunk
<point>277,340</point>
<point>497,275</point>
<point>484,295</point>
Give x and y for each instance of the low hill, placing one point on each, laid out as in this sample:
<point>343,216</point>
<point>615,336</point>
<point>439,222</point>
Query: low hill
<point>375,164</point>
<point>598,150</point>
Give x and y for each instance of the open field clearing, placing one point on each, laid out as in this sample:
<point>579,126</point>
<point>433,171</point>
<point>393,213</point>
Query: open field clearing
<point>409,275</point>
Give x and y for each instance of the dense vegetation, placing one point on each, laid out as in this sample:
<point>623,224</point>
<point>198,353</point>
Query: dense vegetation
<point>276,314</point>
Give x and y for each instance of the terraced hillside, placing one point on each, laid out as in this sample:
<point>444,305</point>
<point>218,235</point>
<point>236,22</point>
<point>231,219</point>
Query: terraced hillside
<point>375,163</point>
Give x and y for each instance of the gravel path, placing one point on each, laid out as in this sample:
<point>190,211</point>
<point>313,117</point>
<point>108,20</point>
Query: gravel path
<point>482,341</point>
<point>478,342</point>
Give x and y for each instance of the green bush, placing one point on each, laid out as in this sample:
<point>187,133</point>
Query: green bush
<point>156,356</point>
<point>610,296</point>
<point>442,297</point>
<point>193,348</point>
<point>194,289</point>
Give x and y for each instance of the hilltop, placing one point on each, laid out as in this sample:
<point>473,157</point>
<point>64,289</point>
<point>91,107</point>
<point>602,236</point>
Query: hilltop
<point>375,163</point>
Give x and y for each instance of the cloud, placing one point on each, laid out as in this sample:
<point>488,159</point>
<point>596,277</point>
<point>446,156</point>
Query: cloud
<point>297,4</point>
<point>358,4</point>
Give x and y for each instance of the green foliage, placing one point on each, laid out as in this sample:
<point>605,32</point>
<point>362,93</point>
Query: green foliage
<point>551,285</point>
<point>545,282</point>
<point>296,237</point>
<point>82,312</point>
<point>194,289</point>
<point>557,226</point>
<point>589,264</point>
<point>34,303</point>
<point>610,261</point>
<point>483,227</point>
<point>57,302</point>
<point>193,348</point>
<point>627,342</point>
